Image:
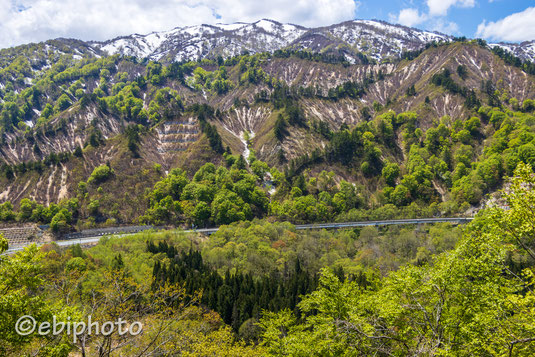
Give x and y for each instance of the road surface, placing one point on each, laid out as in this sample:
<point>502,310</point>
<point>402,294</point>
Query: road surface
<point>95,239</point>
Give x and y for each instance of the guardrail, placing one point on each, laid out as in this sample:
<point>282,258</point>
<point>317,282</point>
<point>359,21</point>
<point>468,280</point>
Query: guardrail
<point>106,231</point>
<point>458,220</point>
<point>385,222</point>
<point>92,235</point>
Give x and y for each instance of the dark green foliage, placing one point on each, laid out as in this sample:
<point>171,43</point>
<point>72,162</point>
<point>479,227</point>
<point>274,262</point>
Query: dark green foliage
<point>318,57</point>
<point>62,103</point>
<point>132,134</point>
<point>78,152</point>
<point>471,101</point>
<point>280,127</point>
<point>462,71</point>
<point>205,112</point>
<point>95,137</point>
<point>343,146</point>
<point>349,89</point>
<point>489,88</point>
<point>509,58</point>
<point>296,115</point>
<point>213,137</point>
<point>365,113</point>
<point>9,172</point>
<point>410,55</point>
<point>236,297</point>
<point>444,79</point>
<point>280,156</point>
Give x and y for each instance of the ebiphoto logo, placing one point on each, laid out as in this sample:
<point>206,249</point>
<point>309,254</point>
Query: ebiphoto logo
<point>27,325</point>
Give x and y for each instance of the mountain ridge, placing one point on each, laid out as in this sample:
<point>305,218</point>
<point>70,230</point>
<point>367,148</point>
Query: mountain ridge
<point>350,38</point>
<point>76,123</point>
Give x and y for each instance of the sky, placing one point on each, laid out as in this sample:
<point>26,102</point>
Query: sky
<point>25,21</point>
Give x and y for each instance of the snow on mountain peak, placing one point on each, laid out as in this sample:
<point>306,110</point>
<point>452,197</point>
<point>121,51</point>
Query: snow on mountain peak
<point>376,39</point>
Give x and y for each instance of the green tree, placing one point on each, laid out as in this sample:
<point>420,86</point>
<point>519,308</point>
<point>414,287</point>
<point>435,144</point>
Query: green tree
<point>100,174</point>
<point>228,207</point>
<point>21,277</point>
<point>62,103</point>
<point>472,300</point>
<point>60,222</point>
<point>391,173</point>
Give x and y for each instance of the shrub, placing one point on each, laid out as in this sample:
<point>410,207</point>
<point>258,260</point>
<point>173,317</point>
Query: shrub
<point>100,174</point>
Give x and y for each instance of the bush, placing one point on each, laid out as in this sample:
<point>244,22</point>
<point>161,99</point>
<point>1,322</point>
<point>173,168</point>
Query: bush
<point>100,174</point>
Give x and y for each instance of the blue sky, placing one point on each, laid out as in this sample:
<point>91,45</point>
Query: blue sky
<point>24,21</point>
<point>460,18</point>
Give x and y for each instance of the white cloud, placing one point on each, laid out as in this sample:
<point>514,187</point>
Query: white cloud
<point>434,20</point>
<point>447,27</point>
<point>441,7</point>
<point>23,21</point>
<point>408,17</point>
<point>519,26</point>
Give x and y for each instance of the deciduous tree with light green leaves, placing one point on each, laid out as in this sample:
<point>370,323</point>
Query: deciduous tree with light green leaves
<point>476,300</point>
<point>20,282</point>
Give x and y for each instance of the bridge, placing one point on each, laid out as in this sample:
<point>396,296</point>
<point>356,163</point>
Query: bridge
<point>93,236</point>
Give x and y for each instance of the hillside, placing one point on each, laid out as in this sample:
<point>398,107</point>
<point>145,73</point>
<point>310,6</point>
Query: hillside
<point>417,123</point>
<point>267,189</point>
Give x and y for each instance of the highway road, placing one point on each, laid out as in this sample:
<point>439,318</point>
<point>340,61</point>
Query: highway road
<point>454,220</point>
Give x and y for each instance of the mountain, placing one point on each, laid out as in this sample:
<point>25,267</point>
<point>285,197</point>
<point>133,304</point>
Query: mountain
<point>377,39</point>
<point>524,50</point>
<point>403,115</point>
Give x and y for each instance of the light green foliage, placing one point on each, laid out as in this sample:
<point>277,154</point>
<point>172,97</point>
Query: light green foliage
<point>47,111</point>
<point>127,102</point>
<point>391,173</point>
<point>228,207</point>
<point>254,73</point>
<point>166,104</point>
<point>215,195</point>
<point>467,302</point>
<point>100,174</point>
<point>259,168</point>
<point>472,125</point>
<point>260,247</point>
<point>154,73</point>
<point>60,221</point>
<point>216,81</point>
<point>6,212</point>
<point>3,244</point>
<point>22,276</point>
<point>302,206</point>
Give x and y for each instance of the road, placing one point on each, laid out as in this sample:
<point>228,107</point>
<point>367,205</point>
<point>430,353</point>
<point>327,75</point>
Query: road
<point>459,220</point>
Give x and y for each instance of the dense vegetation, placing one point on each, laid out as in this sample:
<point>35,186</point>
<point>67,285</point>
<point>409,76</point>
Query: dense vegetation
<point>467,159</point>
<point>392,164</point>
<point>472,301</point>
<point>259,286</point>
<point>237,297</point>
<point>448,295</point>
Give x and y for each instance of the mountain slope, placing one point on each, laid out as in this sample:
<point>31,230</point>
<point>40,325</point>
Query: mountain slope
<point>70,113</point>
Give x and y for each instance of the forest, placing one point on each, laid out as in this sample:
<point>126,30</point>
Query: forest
<point>457,157</point>
<point>261,288</point>
<point>390,164</point>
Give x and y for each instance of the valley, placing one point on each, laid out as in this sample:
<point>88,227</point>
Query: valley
<point>255,189</point>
